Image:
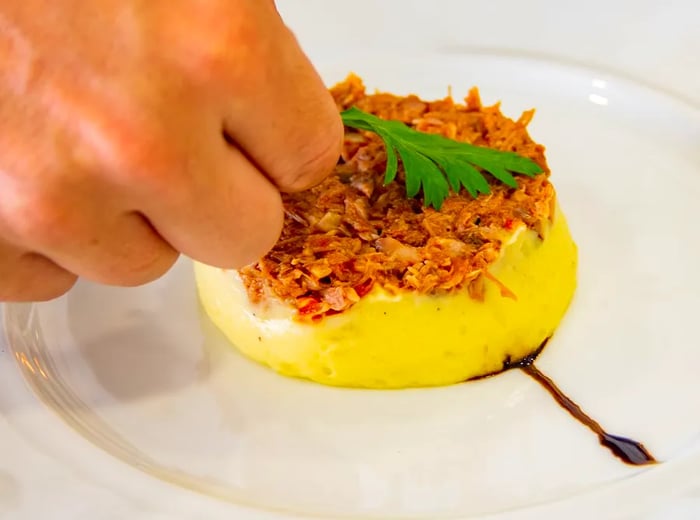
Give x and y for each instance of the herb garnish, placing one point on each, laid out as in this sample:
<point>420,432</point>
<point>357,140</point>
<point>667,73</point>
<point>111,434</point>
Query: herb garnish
<point>431,161</point>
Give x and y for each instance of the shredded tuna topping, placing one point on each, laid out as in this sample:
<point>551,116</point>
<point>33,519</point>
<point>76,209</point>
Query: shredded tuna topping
<point>352,233</point>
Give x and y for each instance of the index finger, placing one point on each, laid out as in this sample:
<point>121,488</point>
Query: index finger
<point>284,119</point>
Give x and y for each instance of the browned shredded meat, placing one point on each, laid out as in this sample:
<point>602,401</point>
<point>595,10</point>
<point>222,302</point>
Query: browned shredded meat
<point>351,232</point>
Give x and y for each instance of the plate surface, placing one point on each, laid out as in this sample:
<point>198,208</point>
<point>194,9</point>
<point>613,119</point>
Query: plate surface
<point>144,379</point>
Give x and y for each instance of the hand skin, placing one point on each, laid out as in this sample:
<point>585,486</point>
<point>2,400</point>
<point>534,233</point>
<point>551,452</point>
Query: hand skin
<point>137,130</point>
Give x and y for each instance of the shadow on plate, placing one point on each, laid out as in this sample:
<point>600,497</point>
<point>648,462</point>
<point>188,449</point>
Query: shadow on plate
<point>143,341</point>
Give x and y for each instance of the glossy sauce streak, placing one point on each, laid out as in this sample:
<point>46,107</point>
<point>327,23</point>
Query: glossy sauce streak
<point>627,450</point>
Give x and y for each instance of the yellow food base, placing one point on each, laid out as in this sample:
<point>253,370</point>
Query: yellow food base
<point>408,340</point>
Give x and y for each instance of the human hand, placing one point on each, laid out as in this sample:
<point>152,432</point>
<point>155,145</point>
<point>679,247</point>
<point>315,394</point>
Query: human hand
<point>136,130</point>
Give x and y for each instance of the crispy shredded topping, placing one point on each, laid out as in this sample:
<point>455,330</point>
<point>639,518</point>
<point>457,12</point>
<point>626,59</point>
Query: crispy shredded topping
<point>352,233</point>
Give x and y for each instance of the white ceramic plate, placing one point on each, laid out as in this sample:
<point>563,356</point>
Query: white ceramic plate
<point>149,405</point>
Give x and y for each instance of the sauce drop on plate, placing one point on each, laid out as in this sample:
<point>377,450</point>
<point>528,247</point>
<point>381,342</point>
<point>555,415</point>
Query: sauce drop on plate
<point>627,450</point>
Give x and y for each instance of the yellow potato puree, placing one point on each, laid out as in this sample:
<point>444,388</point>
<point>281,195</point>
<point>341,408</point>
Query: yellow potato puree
<point>409,340</point>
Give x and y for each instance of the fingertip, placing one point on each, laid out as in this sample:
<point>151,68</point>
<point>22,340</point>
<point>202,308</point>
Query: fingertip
<point>318,158</point>
<point>35,278</point>
<point>51,281</point>
<point>54,289</point>
<point>230,215</point>
<point>143,271</point>
<point>286,120</point>
<point>260,232</point>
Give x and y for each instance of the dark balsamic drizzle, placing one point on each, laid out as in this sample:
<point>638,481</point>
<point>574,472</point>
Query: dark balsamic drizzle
<point>628,450</point>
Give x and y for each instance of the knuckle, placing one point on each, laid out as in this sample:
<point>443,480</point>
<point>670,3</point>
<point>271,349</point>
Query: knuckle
<point>36,218</point>
<point>139,152</point>
<point>129,140</point>
<point>206,39</point>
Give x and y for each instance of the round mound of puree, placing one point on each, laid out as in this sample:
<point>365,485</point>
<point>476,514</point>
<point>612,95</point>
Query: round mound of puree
<point>367,288</point>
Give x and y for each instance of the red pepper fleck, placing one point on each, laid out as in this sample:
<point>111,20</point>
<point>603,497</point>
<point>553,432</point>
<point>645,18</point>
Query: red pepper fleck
<point>308,305</point>
<point>364,288</point>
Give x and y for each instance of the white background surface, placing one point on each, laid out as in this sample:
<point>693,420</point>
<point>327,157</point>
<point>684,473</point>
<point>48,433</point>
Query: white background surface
<point>46,473</point>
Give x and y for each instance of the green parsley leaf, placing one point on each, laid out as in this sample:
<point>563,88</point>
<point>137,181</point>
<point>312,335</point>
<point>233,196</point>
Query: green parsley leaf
<point>435,163</point>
